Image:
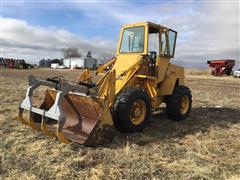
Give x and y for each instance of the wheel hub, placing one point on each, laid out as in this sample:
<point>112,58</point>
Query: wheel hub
<point>138,112</point>
<point>184,104</point>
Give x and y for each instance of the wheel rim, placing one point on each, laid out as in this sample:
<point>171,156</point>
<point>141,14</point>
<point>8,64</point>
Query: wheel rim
<point>184,104</point>
<point>138,112</point>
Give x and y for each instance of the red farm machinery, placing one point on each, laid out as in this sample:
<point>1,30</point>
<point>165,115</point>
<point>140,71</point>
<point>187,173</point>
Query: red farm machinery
<point>221,66</point>
<point>14,63</point>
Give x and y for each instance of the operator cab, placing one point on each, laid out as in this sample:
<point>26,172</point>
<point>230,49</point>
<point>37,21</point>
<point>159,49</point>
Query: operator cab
<point>161,41</point>
<point>150,39</point>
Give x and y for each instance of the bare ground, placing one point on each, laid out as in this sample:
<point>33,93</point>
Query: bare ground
<point>204,146</point>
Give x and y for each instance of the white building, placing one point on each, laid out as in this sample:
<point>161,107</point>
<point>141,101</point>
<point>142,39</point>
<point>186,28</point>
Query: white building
<point>80,62</point>
<point>54,65</point>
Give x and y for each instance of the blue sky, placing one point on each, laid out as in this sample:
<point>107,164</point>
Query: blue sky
<point>39,29</point>
<point>74,16</point>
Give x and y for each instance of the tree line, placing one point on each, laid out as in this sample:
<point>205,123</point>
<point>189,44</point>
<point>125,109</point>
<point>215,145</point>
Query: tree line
<point>74,52</point>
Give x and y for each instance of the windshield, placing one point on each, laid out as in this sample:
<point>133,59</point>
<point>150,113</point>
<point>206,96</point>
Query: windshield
<point>132,40</point>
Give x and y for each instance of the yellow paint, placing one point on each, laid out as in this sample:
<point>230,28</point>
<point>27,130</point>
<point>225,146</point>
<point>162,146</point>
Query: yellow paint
<point>133,70</point>
<point>184,104</point>
<point>107,88</point>
<point>106,117</point>
<point>130,70</point>
<point>167,86</point>
<point>62,138</point>
<point>124,77</point>
<point>107,94</point>
<point>102,68</point>
<point>173,74</point>
<point>161,67</point>
<point>151,88</point>
<point>45,130</point>
<point>145,76</point>
<point>32,124</point>
<point>84,76</point>
<point>138,112</point>
<point>21,119</point>
<point>125,61</point>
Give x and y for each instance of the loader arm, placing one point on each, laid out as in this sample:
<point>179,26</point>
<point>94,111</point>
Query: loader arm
<point>124,78</point>
<point>102,68</point>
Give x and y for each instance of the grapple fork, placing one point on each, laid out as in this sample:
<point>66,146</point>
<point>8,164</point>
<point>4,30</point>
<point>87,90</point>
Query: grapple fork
<point>69,112</point>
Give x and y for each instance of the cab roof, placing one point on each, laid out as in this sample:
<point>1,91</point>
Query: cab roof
<point>147,23</point>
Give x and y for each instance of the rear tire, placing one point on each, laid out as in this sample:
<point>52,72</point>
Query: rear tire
<point>20,66</point>
<point>179,103</point>
<point>131,111</point>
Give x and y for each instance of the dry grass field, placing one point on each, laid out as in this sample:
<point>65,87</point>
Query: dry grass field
<point>204,146</point>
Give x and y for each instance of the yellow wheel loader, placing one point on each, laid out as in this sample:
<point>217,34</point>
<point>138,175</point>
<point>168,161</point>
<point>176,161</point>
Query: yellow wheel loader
<point>132,85</point>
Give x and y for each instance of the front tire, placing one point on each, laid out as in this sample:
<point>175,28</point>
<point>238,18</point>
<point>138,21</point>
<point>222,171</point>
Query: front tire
<point>179,103</point>
<point>131,111</point>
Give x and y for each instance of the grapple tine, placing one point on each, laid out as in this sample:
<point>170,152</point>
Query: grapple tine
<point>20,117</point>
<point>60,134</point>
<point>28,122</point>
<point>61,138</point>
<point>32,124</point>
<point>45,129</point>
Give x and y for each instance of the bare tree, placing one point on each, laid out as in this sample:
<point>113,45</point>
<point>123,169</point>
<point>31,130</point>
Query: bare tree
<point>89,54</point>
<point>71,52</point>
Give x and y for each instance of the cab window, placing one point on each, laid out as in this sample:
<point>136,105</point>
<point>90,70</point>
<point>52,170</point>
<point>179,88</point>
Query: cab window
<point>132,40</point>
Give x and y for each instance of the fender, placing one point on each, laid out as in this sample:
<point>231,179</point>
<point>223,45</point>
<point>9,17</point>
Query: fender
<point>174,76</point>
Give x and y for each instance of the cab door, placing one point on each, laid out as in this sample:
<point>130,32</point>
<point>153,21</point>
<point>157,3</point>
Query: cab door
<point>167,44</point>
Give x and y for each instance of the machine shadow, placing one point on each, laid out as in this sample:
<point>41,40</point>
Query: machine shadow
<point>163,129</point>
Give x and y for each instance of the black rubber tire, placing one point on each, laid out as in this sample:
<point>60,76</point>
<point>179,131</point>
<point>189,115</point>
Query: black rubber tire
<point>229,72</point>
<point>122,106</point>
<point>173,103</point>
<point>20,66</point>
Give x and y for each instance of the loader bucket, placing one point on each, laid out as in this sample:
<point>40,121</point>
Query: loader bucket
<point>73,117</point>
<point>82,115</point>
